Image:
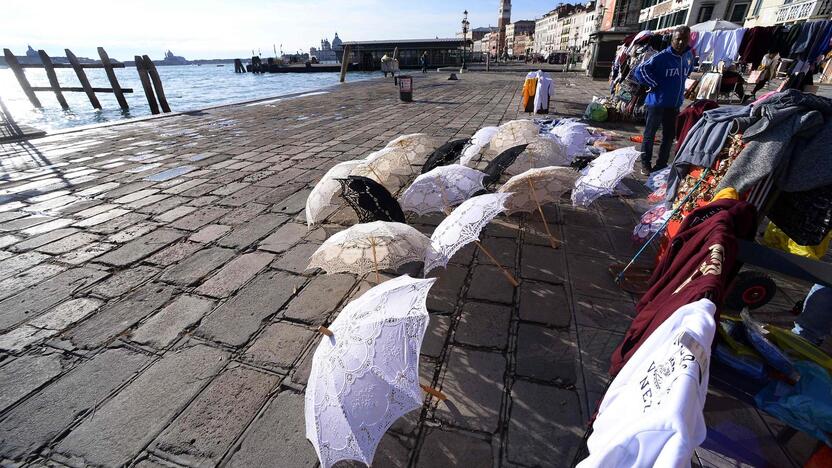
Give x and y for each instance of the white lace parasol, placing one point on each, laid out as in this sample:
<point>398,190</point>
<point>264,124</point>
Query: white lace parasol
<point>326,189</point>
<point>462,226</point>
<point>573,135</point>
<point>441,188</point>
<point>542,151</point>
<point>603,174</point>
<point>417,146</point>
<point>366,375</point>
<point>368,247</point>
<point>389,167</point>
<point>550,183</point>
<point>478,142</point>
<point>511,134</point>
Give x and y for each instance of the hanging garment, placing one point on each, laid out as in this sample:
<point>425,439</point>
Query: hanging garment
<point>779,42</point>
<point>755,44</point>
<point>792,36</point>
<point>545,88</point>
<point>705,45</point>
<point>700,262</point>
<point>726,44</point>
<point>703,143</point>
<point>694,41</point>
<point>820,44</point>
<point>529,92</point>
<point>770,142</point>
<point>652,413</point>
<point>689,116</point>
<point>808,34</point>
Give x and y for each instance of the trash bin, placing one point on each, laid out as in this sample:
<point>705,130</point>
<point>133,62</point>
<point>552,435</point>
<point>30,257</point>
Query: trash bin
<point>406,88</point>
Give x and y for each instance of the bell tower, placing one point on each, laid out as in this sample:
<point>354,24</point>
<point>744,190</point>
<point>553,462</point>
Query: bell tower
<point>503,20</point>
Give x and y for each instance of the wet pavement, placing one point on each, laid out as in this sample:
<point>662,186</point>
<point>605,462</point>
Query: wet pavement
<point>155,309</point>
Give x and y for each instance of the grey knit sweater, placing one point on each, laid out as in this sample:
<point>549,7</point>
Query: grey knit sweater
<point>787,120</point>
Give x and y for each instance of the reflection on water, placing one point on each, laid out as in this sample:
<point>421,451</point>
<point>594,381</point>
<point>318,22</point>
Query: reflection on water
<point>187,87</point>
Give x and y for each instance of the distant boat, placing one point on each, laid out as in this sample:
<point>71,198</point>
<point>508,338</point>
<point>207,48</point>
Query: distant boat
<point>220,65</point>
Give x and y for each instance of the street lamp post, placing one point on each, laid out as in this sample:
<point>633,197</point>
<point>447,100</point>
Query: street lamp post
<point>465,25</point>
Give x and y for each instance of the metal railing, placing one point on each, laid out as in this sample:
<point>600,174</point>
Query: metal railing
<point>803,10</point>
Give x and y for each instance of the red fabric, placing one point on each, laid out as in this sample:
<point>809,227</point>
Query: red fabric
<point>700,262</point>
<point>756,42</point>
<point>688,118</point>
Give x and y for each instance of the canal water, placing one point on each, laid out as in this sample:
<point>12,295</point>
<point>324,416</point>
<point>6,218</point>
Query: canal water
<point>187,87</point>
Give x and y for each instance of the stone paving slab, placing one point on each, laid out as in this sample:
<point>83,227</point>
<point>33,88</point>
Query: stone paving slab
<point>155,272</point>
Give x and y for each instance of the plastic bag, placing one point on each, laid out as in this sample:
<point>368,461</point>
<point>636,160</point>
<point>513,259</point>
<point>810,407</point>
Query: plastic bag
<point>596,111</point>
<point>777,239</point>
<point>796,345</point>
<point>806,406</point>
<point>773,355</point>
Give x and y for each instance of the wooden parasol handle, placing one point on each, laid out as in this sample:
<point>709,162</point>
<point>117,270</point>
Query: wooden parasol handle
<point>325,331</point>
<point>508,275</point>
<point>434,392</point>
<point>552,240</point>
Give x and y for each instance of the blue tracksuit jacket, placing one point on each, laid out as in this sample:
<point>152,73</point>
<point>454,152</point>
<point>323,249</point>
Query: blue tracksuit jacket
<point>665,74</point>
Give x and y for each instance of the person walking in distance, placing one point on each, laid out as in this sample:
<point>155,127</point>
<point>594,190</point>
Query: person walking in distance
<point>665,74</point>
<point>423,60</point>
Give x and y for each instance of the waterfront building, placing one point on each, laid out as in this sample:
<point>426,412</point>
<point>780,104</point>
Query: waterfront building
<point>544,33</point>
<point>562,29</point>
<point>523,45</point>
<point>329,52</point>
<point>772,12</point>
<point>171,59</point>
<point>516,30</point>
<point>441,52</point>
<point>657,14</point>
<point>475,34</point>
<point>614,20</point>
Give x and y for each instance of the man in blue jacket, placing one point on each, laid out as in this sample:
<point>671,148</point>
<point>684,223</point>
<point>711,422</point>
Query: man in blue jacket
<point>665,74</point>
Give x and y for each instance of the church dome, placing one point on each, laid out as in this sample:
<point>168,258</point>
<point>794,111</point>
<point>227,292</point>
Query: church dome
<point>336,42</point>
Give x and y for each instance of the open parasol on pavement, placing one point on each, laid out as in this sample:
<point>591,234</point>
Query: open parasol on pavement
<point>389,167</point>
<point>537,186</point>
<point>462,226</point>
<point>511,134</point>
<point>368,247</point>
<point>370,200</point>
<point>441,188</point>
<point>603,174</point>
<point>365,372</point>
<point>445,154</point>
<point>541,151</point>
<point>326,189</point>
<point>417,146</point>
<point>497,166</point>
<point>476,145</point>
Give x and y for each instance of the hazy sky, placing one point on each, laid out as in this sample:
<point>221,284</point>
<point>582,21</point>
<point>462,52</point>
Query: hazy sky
<point>232,28</point>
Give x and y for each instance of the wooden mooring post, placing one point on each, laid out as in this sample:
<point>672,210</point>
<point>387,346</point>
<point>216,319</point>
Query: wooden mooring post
<point>148,88</point>
<point>148,75</point>
<point>111,76</point>
<point>53,78</point>
<point>82,77</point>
<point>157,83</point>
<point>12,62</point>
<point>55,86</point>
<point>238,66</point>
<point>345,62</point>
